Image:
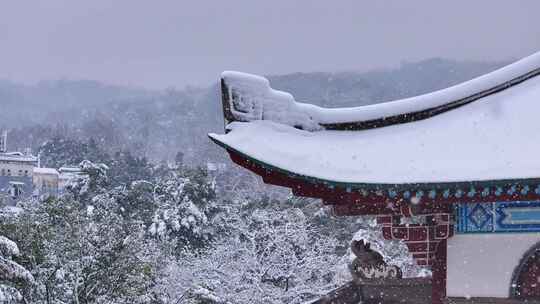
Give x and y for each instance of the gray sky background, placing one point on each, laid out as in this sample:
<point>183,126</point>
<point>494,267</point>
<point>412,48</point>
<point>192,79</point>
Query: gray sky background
<point>157,44</point>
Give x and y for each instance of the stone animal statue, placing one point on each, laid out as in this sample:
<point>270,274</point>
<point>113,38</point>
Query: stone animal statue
<point>369,264</point>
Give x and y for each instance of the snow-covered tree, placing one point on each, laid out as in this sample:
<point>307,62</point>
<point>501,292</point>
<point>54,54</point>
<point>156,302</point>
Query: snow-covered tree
<point>12,275</point>
<point>62,151</point>
<point>89,252</point>
<point>185,205</point>
<point>270,256</point>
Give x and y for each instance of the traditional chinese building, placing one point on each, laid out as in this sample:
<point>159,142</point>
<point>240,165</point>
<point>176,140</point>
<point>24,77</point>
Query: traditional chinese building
<point>463,162</point>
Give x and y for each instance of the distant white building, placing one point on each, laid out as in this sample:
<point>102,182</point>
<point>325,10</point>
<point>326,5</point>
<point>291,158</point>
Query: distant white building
<point>16,173</point>
<point>21,176</point>
<point>45,181</point>
<point>215,167</point>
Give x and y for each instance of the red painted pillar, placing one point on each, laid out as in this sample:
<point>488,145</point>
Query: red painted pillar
<point>439,274</point>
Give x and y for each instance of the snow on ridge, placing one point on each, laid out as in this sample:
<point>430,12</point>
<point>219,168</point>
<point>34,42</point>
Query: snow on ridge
<point>256,100</point>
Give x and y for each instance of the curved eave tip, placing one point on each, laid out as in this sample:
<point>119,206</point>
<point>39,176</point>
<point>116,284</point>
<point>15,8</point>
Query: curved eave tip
<point>212,136</point>
<point>215,138</point>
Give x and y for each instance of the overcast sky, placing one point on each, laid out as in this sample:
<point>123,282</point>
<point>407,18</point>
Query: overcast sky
<point>157,44</point>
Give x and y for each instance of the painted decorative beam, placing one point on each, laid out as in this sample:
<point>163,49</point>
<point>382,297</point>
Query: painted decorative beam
<point>498,217</point>
<point>364,198</point>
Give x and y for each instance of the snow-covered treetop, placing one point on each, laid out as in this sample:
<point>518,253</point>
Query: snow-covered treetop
<point>8,248</point>
<point>11,273</point>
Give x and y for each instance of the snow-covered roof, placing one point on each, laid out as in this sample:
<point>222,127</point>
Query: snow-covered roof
<point>17,157</point>
<point>70,170</point>
<point>16,183</point>
<point>493,138</point>
<point>47,171</point>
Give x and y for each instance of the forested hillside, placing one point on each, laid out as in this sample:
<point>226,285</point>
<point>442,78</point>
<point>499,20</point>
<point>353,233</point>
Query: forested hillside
<point>159,124</point>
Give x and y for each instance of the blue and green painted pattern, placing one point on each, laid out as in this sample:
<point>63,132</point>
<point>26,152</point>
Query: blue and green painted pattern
<point>521,216</point>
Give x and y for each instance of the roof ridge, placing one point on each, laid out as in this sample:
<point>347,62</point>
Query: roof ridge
<point>248,97</point>
<point>430,112</point>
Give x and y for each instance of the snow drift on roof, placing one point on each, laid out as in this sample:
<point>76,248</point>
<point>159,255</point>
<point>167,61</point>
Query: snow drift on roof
<point>17,157</point>
<point>49,171</point>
